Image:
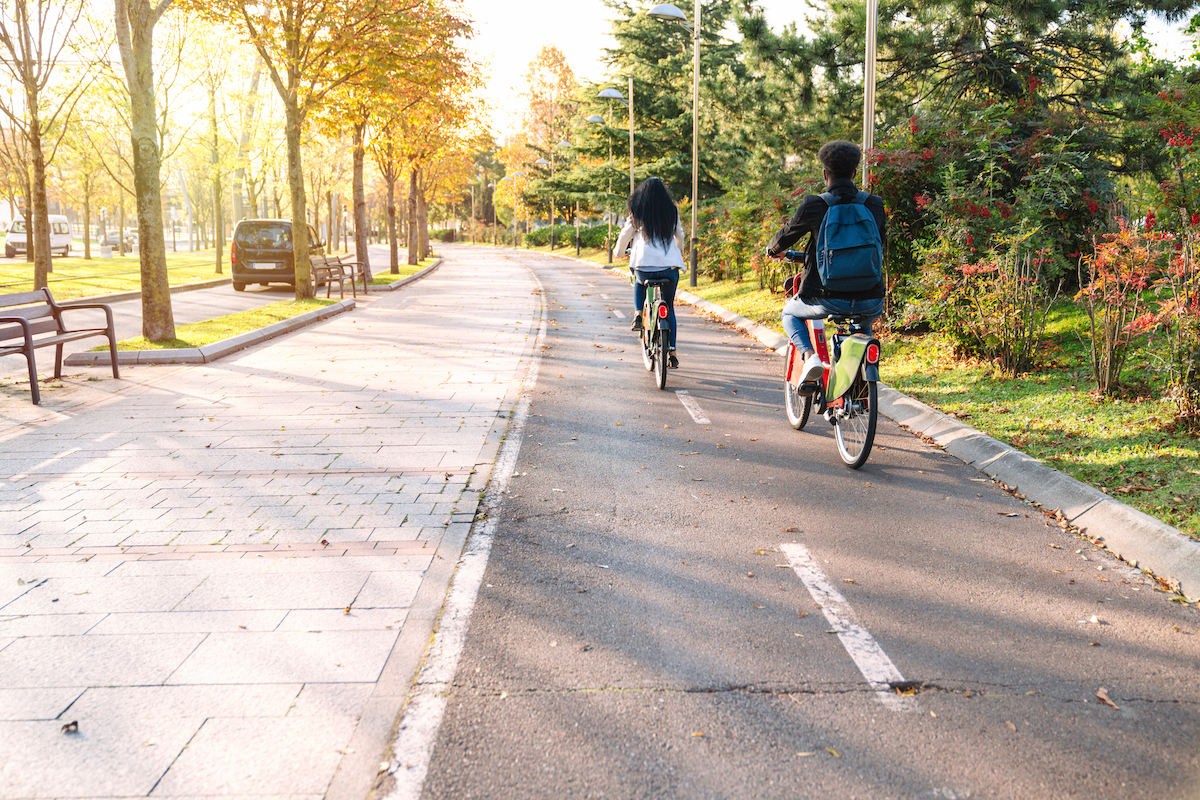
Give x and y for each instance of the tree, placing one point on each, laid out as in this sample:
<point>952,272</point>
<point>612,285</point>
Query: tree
<point>33,49</point>
<point>135,21</point>
<point>309,49</point>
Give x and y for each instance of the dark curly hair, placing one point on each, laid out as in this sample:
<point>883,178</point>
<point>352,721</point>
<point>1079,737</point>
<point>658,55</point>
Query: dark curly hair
<point>840,157</point>
<point>653,211</point>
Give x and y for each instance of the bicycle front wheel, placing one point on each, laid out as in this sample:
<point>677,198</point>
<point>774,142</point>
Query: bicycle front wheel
<point>854,429</point>
<point>797,406</point>
<point>660,357</point>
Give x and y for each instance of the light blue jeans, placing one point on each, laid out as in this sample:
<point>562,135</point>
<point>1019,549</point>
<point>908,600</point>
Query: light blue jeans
<point>798,309</point>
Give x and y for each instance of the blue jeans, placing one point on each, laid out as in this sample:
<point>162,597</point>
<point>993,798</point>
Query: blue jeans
<point>798,309</point>
<point>668,292</point>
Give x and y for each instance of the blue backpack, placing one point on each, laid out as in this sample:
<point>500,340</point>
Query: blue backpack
<point>849,248</point>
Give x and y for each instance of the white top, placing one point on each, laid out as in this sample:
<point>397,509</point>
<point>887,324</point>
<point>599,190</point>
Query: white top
<point>649,255</point>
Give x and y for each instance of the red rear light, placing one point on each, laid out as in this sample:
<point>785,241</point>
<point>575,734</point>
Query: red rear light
<point>232,255</point>
<point>662,312</point>
<point>873,353</point>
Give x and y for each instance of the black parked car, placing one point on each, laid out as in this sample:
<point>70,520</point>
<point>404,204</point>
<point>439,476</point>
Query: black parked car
<point>261,252</point>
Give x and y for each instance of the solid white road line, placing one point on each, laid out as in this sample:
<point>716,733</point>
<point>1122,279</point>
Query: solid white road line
<point>618,313</point>
<point>872,662</point>
<point>413,745</point>
<point>692,407</point>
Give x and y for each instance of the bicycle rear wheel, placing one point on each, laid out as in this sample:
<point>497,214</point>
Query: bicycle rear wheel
<point>854,429</point>
<point>660,357</point>
<point>797,406</point>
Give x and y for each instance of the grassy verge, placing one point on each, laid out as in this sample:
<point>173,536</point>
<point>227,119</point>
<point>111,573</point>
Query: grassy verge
<point>75,277</point>
<point>214,330</point>
<point>1126,446</point>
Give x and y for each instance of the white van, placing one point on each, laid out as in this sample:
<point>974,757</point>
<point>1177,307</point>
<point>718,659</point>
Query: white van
<point>60,236</point>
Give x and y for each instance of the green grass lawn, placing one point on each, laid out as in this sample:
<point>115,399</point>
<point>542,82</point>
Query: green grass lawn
<point>199,334</point>
<point>74,277</point>
<point>1127,446</point>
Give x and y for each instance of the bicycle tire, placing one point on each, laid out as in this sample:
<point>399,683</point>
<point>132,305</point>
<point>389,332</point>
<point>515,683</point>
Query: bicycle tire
<point>855,430</point>
<point>660,357</point>
<point>796,406</point>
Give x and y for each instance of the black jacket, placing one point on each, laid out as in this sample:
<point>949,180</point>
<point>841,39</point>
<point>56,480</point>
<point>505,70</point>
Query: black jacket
<point>807,219</point>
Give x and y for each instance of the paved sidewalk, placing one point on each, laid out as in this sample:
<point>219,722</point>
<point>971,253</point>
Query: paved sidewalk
<point>226,574</point>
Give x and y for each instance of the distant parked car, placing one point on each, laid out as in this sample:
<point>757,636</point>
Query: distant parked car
<point>261,252</point>
<point>113,239</point>
<point>60,236</point>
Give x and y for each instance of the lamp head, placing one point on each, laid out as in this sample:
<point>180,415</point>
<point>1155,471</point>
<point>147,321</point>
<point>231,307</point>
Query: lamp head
<point>596,118</point>
<point>668,13</point>
<point>612,94</point>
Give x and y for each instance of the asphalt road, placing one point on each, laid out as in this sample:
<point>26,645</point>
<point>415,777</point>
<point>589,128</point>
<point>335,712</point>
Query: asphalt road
<point>685,598</point>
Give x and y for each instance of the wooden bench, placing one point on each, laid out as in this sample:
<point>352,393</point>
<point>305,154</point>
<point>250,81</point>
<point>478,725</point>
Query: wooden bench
<point>329,270</point>
<point>29,320</point>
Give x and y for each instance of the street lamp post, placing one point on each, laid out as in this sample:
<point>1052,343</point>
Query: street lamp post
<point>671,13</point>
<point>868,135</point>
<point>613,94</point>
<point>599,120</point>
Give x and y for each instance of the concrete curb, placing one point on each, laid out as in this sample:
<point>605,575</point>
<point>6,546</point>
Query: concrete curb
<point>1132,535</point>
<point>209,352</point>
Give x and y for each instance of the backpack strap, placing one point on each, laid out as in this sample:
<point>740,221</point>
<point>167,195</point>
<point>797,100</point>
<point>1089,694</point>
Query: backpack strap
<point>831,199</point>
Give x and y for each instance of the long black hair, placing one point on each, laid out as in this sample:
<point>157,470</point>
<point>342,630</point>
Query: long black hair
<point>653,211</point>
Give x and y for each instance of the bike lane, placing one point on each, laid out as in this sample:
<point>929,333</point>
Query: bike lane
<point>686,598</point>
<point>220,579</point>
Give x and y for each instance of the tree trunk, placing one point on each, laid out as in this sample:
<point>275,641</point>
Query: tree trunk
<point>360,201</point>
<point>413,258</point>
<point>135,20</point>
<point>218,211</point>
<point>37,223</point>
<point>87,218</point>
<point>295,168</point>
<point>422,227</point>
<point>393,241</point>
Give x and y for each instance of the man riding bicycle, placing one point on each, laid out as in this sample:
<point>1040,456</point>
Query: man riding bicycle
<point>839,160</point>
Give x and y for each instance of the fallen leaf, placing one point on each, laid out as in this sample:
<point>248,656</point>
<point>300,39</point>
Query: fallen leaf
<point>344,750</point>
<point>71,727</point>
<point>833,752</point>
<point>1102,696</point>
<point>1011,727</point>
<point>698,734</point>
<point>806,755</point>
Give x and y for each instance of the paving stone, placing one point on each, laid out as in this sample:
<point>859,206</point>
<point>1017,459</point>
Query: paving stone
<point>120,757</point>
<point>288,657</point>
<point>237,756</point>
<point>303,590</point>
<point>92,594</point>
<point>30,705</point>
<point>187,622</point>
<point>41,661</point>
<point>359,619</point>
<point>159,702</point>
<point>48,624</point>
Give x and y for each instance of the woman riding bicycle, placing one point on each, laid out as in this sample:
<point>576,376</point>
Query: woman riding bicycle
<point>813,300</point>
<point>654,229</point>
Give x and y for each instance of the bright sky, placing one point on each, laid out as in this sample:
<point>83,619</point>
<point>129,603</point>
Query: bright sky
<point>509,34</point>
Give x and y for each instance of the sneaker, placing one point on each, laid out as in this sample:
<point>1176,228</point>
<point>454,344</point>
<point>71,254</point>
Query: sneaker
<point>672,361</point>
<point>812,369</point>
<point>637,323</point>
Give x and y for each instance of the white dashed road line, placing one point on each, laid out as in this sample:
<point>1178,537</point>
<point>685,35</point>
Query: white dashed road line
<point>692,407</point>
<point>872,662</point>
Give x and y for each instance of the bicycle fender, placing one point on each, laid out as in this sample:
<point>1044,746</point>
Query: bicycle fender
<point>854,353</point>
